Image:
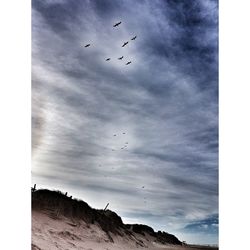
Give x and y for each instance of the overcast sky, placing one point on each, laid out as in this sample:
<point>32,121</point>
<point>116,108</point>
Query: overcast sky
<point>143,136</point>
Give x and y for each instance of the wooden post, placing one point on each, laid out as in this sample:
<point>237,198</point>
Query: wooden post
<point>105,207</point>
<point>33,188</point>
<point>66,193</point>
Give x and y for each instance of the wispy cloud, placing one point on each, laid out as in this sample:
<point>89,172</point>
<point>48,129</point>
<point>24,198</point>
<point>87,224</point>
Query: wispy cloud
<point>162,107</point>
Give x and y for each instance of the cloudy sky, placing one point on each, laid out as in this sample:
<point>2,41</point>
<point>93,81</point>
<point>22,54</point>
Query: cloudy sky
<point>143,136</point>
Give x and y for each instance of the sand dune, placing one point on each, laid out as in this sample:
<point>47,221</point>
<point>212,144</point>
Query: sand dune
<point>58,223</point>
<point>51,234</point>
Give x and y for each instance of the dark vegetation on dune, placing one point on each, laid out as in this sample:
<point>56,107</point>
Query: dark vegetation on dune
<point>57,204</point>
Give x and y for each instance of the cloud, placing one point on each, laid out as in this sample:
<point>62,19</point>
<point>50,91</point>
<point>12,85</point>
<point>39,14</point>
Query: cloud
<point>209,224</point>
<point>165,101</point>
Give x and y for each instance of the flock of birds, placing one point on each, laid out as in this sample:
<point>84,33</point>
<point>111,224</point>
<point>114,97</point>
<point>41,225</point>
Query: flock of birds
<point>129,62</point>
<point>124,147</point>
<point>124,44</point>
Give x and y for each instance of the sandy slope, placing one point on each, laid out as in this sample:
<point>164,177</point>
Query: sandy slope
<point>49,233</point>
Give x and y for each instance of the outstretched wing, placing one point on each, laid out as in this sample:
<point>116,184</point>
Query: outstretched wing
<point>125,44</point>
<point>117,24</point>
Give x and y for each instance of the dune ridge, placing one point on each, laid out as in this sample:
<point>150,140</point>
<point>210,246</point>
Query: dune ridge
<point>60,222</point>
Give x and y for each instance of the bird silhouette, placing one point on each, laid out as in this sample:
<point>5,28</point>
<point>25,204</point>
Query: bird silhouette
<point>107,59</point>
<point>114,134</point>
<point>87,45</point>
<point>123,133</point>
<point>128,63</point>
<point>133,38</point>
<point>120,58</point>
<point>115,25</point>
<point>125,44</point>
<point>142,187</point>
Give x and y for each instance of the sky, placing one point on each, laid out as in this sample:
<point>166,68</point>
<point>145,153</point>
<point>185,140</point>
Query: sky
<point>143,136</point>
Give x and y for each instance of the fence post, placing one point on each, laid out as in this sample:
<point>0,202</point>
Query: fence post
<point>33,188</point>
<point>105,207</point>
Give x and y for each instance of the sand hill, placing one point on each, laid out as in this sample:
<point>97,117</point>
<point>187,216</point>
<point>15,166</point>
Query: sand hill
<point>60,222</point>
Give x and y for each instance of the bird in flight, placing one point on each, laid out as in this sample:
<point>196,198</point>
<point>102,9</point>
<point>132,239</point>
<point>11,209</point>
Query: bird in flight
<point>128,63</point>
<point>142,186</point>
<point>107,59</point>
<point>120,58</point>
<point>133,38</point>
<point>87,45</point>
<point>114,134</point>
<point>123,133</point>
<point>125,44</point>
<point>115,25</point>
